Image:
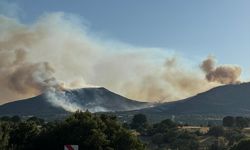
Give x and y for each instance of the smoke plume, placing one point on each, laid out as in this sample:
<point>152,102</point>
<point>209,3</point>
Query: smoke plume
<point>224,74</point>
<point>57,51</point>
<point>20,77</point>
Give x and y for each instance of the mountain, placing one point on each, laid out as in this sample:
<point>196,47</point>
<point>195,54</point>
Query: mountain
<point>224,100</point>
<point>93,99</point>
<point>37,106</point>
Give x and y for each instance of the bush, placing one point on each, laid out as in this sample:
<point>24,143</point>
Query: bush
<point>216,131</point>
<point>139,122</point>
<point>158,139</point>
<point>38,121</point>
<point>185,141</point>
<point>233,136</point>
<point>241,122</point>
<point>228,121</point>
<point>89,132</point>
<point>242,145</point>
<point>163,126</point>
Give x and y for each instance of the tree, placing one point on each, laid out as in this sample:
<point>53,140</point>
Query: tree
<point>166,133</point>
<point>23,134</point>
<point>15,119</point>
<point>242,145</point>
<point>5,118</point>
<point>38,121</point>
<point>158,139</point>
<point>218,144</point>
<point>4,135</point>
<point>185,141</point>
<point>241,122</point>
<point>126,141</point>
<point>228,121</point>
<point>163,127</point>
<point>89,131</point>
<point>139,122</point>
<point>216,131</point>
<point>234,135</point>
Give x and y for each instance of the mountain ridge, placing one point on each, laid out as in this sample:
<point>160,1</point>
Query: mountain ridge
<point>86,98</point>
<point>232,99</point>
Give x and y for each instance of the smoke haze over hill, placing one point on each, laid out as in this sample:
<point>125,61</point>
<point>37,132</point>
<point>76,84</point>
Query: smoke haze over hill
<point>57,51</point>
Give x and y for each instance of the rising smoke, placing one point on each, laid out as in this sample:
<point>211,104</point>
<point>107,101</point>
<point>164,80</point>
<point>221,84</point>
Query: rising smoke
<point>19,77</point>
<point>57,52</point>
<point>224,74</point>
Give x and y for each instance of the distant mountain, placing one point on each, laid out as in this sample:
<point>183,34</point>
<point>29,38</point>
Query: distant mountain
<point>222,100</point>
<point>36,106</point>
<point>86,98</point>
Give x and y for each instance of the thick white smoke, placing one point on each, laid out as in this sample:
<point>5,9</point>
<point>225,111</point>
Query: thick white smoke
<point>61,99</point>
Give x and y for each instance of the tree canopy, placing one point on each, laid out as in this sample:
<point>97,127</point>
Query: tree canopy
<point>84,129</point>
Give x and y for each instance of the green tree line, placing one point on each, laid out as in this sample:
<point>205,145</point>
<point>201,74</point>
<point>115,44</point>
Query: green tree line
<point>104,132</point>
<point>89,131</point>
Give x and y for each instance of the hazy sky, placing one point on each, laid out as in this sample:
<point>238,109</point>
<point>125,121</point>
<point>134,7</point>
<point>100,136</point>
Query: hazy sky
<point>194,28</point>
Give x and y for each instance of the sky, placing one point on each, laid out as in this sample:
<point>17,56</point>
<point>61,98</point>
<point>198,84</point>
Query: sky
<point>194,28</point>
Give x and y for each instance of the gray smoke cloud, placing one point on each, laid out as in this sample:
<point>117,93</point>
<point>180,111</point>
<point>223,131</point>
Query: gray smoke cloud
<point>58,52</point>
<point>224,74</point>
<point>22,78</point>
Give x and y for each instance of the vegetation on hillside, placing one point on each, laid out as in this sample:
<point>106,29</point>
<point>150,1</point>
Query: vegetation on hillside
<point>81,128</point>
<point>105,132</point>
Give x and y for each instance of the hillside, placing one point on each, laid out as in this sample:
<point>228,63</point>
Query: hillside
<point>222,100</point>
<point>86,98</point>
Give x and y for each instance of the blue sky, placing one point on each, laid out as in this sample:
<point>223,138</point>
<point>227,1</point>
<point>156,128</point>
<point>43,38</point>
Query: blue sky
<point>195,28</point>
